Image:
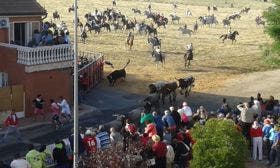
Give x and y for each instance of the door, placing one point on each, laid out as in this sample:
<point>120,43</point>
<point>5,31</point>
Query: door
<point>19,34</point>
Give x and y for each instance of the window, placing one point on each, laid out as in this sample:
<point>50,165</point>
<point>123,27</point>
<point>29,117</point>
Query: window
<point>3,79</point>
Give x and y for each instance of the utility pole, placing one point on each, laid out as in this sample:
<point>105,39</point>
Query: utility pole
<point>76,109</point>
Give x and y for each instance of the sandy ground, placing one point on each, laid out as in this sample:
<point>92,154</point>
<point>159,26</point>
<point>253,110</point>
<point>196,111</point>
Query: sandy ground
<point>247,85</point>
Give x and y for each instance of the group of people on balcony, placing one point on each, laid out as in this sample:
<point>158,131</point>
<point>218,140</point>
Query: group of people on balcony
<point>49,38</point>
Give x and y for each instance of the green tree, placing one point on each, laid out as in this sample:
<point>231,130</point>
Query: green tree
<point>218,145</point>
<point>272,16</point>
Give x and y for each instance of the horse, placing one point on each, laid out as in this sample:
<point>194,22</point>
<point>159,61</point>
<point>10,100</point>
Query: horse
<point>226,22</point>
<point>208,20</point>
<point>234,16</point>
<point>174,18</point>
<point>71,8</point>
<point>159,56</point>
<point>231,36</point>
<point>188,56</point>
<point>154,41</point>
<point>56,15</point>
<point>106,26</point>
<point>136,11</point>
<point>96,28</point>
<point>186,31</point>
<point>150,30</point>
<point>259,21</point>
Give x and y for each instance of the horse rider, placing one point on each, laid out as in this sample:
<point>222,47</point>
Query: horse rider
<point>229,32</point>
<point>189,54</point>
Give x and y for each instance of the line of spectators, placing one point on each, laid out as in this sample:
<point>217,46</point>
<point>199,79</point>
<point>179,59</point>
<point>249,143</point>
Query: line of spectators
<point>165,140</point>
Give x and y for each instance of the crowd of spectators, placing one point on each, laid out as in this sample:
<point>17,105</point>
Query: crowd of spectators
<point>163,140</point>
<point>49,35</point>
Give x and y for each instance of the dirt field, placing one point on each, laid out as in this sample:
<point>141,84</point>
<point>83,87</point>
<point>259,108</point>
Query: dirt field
<point>214,61</point>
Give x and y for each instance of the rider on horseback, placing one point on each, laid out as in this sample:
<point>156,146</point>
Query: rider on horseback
<point>229,32</point>
<point>189,55</point>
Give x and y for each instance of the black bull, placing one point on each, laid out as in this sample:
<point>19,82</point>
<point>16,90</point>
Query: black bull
<point>165,90</point>
<point>186,83</point>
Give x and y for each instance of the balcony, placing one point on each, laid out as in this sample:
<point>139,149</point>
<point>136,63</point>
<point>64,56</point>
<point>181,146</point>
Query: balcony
<point>44,57</point>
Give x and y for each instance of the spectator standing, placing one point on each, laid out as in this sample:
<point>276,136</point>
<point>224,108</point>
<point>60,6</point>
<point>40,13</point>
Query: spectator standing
<point>186,110</point>
<point>65,108</point>
<point>267,135</point>
<point>19,162</point>
<point>46,156</point>
<point>269,105</point>
<point>55,114</point>
<point>11,123</point>
<point>90,142</point>
<point>104,138</point>
<point>80,142</point>
<point>67,38</point>
<point>38,104</point>
<point>115,137</point>
<point>34,158</point>
<point>247,118</point>
<point>159,124</point>
<point>256,134</point>
<point>176,116</point>
<point>181,152</point>
<point>160,149</point>
<point>169,122</point>
<point>60,155</point>
<point>275,148</point>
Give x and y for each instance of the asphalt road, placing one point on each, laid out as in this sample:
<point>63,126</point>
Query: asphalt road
<point>107,101</point>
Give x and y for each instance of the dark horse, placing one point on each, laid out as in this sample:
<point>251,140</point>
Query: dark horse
<point>231,36</point>
<point>96,28</point>
<point>188,57</point>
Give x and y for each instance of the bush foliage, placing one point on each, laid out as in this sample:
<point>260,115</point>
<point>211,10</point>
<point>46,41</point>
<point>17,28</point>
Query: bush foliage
<point>218,145</point>
<point>272,16</point>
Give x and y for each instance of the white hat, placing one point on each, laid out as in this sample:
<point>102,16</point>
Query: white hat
<point>185,104</point>
<point>88,132</point>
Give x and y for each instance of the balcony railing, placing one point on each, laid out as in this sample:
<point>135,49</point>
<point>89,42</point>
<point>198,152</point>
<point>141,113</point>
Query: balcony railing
<point>43,54</point>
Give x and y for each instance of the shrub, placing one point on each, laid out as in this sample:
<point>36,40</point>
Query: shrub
<point>219,145</point>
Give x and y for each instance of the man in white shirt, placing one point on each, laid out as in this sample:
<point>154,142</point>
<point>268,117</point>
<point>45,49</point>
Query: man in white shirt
<point>187,110</point>
<point>19,162</point>
<point>65,108</point>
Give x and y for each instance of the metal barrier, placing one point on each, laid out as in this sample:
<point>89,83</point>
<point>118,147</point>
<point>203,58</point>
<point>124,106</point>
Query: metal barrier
<point>94,69</point>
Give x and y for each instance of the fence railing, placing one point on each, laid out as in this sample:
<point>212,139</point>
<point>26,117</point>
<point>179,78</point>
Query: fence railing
<point>42,54</point>
<point>93,69</point>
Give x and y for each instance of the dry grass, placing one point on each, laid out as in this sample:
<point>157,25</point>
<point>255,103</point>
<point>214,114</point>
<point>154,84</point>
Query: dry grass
<point>214,62</point>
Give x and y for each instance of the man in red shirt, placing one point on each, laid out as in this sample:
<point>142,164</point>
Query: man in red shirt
<point>11,123</point>
<point>160,149</point>
<point>90,142</point>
